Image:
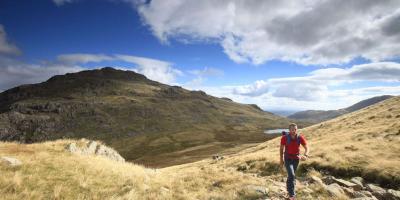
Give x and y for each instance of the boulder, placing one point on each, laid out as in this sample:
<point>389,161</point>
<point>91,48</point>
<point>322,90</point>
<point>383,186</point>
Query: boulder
<point>10,161</point>
<point>94,148</point>
<point>377,191</point>
<point>393,194</point>
<point>363,193</point>
<point>315,179</point>
<point>108,152</point>
<point>335,190</point>
<point>350,192</point>
<point>328,180</point>
<point>347,184</point>
<point>358,180</point>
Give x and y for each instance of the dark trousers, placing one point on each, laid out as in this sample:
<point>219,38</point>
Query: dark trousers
<point>291,166</point>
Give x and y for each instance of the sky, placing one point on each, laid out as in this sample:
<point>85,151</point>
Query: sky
<point>281,55</point>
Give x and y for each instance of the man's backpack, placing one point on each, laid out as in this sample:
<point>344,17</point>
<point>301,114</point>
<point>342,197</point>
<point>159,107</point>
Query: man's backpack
<point>288,138</point>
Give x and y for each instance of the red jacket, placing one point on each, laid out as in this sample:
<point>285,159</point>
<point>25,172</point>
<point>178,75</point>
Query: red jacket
<point>292,150</point>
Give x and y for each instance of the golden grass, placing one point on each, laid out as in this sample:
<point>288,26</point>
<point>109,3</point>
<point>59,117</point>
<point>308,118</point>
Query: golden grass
<point>357,142</point>
<point>364,143</point>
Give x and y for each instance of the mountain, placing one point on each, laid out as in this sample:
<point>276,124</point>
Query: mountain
<point>316,116</point>
<point>362,143</point>
<point>283,113</point>
<point>147,122</point>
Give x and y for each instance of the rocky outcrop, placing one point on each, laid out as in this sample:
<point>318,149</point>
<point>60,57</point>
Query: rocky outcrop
<point>94,148</point>
<point>10,161</point>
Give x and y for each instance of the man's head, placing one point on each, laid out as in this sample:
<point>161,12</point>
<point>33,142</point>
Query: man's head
<point>293,129</point>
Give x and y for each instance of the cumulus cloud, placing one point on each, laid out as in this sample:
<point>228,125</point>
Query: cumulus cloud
<point>315,86</point>
<point>157,70</point>
<point>201,75</point>
<point>14,73</point>
<point>83,58</point>
<point>256,89</point>
<point>304,31</point>
<point>154,69</point>
<point>5,46</point>
<point>380,71</point>
<point>207,71</point>
<point>62,2</point>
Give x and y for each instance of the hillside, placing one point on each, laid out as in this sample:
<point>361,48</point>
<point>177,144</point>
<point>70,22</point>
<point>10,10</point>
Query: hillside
<point>146,121</point>
<point>316,116</point>
<point>345,147</point>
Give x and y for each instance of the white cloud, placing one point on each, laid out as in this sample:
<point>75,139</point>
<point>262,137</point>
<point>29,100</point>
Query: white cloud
<point>62,2</point>
<point>154,69</point>
<point>380,71</point>
<point>14,73</point>
<point>202,75</point>
<point>207,71</point>
<point>303,31</point>
<point>5,46</point>
<point>83,58</point>
<point>335,99</point>
<point>315,86</point>
<point>321,89</point>
<point>256,89</point>
<point>157,70</point>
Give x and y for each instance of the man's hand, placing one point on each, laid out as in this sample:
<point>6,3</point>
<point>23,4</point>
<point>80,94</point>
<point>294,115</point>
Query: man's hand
<point>304,158</point>
<point>281,164</point>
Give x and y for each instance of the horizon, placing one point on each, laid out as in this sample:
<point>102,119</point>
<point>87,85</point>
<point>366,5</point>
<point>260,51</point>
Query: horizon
<point>299,56</point>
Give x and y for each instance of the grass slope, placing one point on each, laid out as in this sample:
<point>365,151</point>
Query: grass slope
<point>361,143</point>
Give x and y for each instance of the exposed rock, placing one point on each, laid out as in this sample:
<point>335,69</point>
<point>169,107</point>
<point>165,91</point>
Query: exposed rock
<point>258,189</point>
<point>365,198</point>
<point>328,180</point>
<point>10,161</point>
<point>347,184</point>
<point>350,192</point>
<point>377,191</point>
<point>367,193</point>
<point>217,157</point>
<point>335,190</point>
<point>109,153</point>
<point>217,184</point>
<point>357,180</point>
<point>93,148</point>
<point>363,193</point>
<point>315,179</point>
<point>243,167</point>
<point>393,194</point>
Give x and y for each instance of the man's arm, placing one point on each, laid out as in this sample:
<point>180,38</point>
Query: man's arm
<point>307,150</point>
<point>281,155</point>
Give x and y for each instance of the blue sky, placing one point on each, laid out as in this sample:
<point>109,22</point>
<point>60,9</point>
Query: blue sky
<point>291,55</point>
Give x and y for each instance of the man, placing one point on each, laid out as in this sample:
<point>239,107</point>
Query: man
<point>290,156</point>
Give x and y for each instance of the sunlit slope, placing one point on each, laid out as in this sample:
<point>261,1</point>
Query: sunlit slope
<point>363,143</point>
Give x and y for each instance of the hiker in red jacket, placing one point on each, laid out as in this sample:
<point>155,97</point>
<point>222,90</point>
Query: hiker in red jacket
<point>290,156</point>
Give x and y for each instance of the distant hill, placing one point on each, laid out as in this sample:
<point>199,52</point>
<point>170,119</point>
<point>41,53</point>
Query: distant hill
<point>283,113</point>
<point>146,121</point>
<point>315,116</point>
